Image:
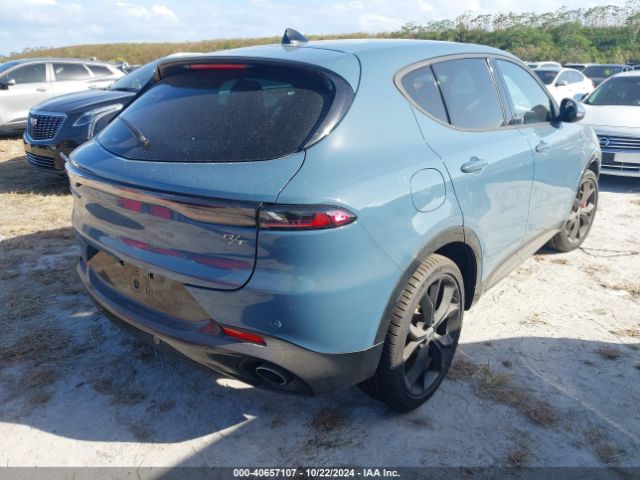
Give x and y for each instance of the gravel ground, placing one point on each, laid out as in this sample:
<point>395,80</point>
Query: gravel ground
<point>547,373</point>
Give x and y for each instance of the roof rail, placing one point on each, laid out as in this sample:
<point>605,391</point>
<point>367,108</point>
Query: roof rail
<point>293,37</point>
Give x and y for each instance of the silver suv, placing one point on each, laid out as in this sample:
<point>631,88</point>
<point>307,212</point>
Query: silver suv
<point>25,83</point>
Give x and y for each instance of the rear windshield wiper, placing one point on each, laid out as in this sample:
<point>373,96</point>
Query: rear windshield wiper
<point>144,141</point>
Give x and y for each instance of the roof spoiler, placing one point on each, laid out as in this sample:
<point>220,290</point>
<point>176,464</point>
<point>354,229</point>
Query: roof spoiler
<point>293,37</point>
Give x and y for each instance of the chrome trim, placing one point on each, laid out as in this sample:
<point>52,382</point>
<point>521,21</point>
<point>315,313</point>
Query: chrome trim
<point>199,209</point>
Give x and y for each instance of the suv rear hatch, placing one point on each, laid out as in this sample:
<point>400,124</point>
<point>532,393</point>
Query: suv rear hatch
<point>175,183</point>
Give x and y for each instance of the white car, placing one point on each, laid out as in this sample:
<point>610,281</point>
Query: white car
<point>534,65</point>
<point>27,82</point>
<point>565,83</point>
<point>613,110</point>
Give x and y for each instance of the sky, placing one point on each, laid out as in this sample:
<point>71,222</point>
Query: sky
<point>54,23</point>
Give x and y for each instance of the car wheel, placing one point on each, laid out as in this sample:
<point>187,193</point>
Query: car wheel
<point>576,227</point>
<point>422,336</point>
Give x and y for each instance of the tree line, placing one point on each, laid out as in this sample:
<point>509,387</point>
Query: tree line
<point>600,34</point>
<point>608,33</point>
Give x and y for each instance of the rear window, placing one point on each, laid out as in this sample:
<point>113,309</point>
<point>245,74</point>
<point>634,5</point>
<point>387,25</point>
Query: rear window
<point>224,114</point>
<point>100,71</point>
<point>599,71</point>
<point>547,76</point>
<point>70,71</point>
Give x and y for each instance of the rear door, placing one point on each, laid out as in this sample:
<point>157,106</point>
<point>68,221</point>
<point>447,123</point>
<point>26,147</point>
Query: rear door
<point>555,147</point>
<point>490,164</point>
<point>69,77</point>
<point>30,89</point>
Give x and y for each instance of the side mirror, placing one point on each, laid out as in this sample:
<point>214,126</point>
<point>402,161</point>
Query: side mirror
<point>571,111</point>
<point>5,84</point>
<point>562,83</point>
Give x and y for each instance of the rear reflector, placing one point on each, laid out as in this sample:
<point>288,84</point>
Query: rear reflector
<point>244,336</point>
<point>289,217</point>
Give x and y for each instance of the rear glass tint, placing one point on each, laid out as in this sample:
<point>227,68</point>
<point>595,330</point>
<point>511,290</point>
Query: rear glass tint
<point>421,86</point>
<point>100,71</point>
<point>255,112</point>
<point>469,93</point>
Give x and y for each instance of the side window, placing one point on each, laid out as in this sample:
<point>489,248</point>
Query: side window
<point>29,74</point>
<point>574,77</point>
<point>564,77</point>
<point>530,102</point>
<point>421,86</point>
<point>469,93</point>
<point>100,71</point>
<point>70,71</point>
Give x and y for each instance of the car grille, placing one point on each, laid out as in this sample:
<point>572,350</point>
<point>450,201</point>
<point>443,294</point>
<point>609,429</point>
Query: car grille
<point>40,161</point>
<point>618,143</point>
<point>44,126</point>
<point>610,165</point>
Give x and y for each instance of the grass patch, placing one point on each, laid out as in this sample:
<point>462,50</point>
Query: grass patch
<point>327,420</point>
<point>609,353</point>
<point>141,432</point>
<point>499,388</point>
<point>519,456</point>
<point>463,369</point>
<point>606,451</point>
<point>633,332</point>
<point>45,346</point>
<point>633,289</point>
<point>534,319</point>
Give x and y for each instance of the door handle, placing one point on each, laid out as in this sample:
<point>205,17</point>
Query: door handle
<point>474,164</point>
<point>42,89</point>
<point>543,147</point>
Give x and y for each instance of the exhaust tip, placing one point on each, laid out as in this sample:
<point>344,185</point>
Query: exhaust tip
<point>271,376</point>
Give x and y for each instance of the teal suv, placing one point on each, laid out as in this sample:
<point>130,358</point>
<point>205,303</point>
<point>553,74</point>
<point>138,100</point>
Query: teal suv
<point>314,215</point>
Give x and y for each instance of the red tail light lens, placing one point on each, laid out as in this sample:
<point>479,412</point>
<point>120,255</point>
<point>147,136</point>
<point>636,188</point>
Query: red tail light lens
<point>290,217</point>
<point>218,66</point>
<point>244,336</point>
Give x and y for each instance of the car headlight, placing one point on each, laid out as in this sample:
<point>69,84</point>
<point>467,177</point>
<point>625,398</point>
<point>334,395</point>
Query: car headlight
<point>92,117</point>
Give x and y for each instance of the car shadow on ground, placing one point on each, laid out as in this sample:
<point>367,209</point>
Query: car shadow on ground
<point>66,370</point>
<point>618,184</point>
<point>18,176</point>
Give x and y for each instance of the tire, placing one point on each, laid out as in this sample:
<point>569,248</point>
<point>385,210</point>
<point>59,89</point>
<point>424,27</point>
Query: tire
<point>416,356</point>
<point>576,227</point>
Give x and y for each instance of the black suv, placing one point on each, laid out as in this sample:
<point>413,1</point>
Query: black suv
<point>57,126</point>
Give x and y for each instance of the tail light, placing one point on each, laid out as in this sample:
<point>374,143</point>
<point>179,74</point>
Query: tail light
<point>242,335</point>
<point>290,217</point>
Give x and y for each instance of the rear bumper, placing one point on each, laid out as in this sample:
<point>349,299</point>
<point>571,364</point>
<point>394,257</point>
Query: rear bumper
<point>47,154</point>
<point>305,372</point>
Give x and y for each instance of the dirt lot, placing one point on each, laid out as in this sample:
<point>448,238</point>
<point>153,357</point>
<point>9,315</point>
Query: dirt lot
<point>548,372</point>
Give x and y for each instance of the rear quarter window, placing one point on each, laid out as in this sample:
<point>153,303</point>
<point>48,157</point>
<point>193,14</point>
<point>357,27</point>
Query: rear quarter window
<point>70,71</point>
<point>420,85</point>
<point>100,71</point>
<point>224,115</point>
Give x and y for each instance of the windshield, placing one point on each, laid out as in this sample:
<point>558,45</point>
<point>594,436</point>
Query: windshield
<point>547,76</point>
<point>134,81</point>
<point>600,71</point>
<point>617,91</point>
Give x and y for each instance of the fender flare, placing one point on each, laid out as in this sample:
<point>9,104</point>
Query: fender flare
<point>450,235</point>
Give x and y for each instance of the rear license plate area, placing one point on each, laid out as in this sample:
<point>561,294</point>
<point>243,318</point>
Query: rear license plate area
<point>147,288</point>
